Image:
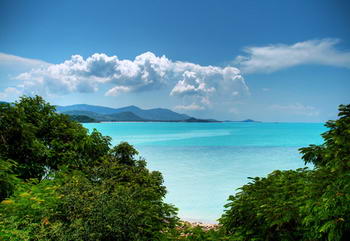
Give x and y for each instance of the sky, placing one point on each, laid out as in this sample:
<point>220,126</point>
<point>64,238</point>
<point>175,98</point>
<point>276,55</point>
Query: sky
<point>266,60</point>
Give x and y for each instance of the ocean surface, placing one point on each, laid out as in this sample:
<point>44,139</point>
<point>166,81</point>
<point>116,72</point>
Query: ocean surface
<point>203,163</point>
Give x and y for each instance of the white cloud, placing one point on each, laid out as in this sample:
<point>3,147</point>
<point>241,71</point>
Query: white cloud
<point>190,107</point>
<point>204,85</point>
<point>275,57</point>
<point>197,85</point>
<point>296,109</point>
<point>117,90</point>
<point>145,72</point>
<point>8,59</point>
<point>191,84</point>
<point>10,93</point>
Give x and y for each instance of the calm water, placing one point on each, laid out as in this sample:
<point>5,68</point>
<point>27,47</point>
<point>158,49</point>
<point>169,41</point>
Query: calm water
<point>204,163</point>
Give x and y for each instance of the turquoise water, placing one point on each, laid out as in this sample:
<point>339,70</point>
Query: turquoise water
<point>204,163</point>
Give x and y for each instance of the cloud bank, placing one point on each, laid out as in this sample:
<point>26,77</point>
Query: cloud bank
<point>197,87</point>
<point>195,84</point>
<point>280,56</point>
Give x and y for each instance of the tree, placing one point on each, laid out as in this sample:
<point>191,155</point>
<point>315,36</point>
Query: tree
<point>327,215</point>
<point>40,140</point>
<point>302,204</point>
<point>109,200</point>
<point>8,180</point>
<point>30,213</point>
<point>334,153</point>
<point>71,184</point>
<point>268,208</point>
<point>117,199</point>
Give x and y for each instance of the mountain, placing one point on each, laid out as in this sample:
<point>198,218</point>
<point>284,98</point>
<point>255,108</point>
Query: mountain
<point>159,114</point>
<point>247,120</point>
<point>82,118</point>
<point>93,115</point>
<point>97,112</point>
<point>83,107</point>
<point>122,116</point>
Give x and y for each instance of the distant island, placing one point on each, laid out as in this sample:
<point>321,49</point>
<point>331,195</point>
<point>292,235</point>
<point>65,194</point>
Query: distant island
<point>247,120</point>
<point>92,113</point>
<point>82,118</point>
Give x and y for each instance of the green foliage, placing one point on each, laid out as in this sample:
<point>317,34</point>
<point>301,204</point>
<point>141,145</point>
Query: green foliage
<point>58,182</point>
<point>124,153</point>
<point>8,180</point>
<point>82,118</point>
<point>334,154</point>
<point>28,214</point>
<point>302,204</point>
<point>71,185</point>
<point>116,201</point>
<point>83,190</point>
<point>267,208</point>
<point>326,214</point>
<point>106,201</point>
<point>40,140</point>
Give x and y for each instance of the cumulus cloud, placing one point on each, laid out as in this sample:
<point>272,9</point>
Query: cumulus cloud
<point>199,85</point>
<point>296,109</point>
<point>77,74</point>
<point>194,83</point>
<point>201,80</point>
<point>275,57</point>
<point>191,85</point>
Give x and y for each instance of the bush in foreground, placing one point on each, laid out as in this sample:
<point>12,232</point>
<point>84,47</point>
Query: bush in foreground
<point>71,185</point>
<point>39,140</point>
<point>59,182</point>
<point>302,204</point>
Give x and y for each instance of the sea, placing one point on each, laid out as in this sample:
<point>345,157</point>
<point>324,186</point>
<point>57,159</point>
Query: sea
<point>204,163</point>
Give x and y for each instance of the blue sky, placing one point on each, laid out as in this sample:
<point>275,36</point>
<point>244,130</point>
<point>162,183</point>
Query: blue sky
<point>266,60</point>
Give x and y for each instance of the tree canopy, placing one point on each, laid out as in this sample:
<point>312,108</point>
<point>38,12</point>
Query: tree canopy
<point>302,204</point>
<point>58,181</point>
<point>37,138</point>
<point>61,182</point>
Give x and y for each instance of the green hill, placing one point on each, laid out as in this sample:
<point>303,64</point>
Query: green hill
<point>82,118</point>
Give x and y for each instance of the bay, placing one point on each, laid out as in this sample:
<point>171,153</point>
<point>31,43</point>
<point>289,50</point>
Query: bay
<point>203,163</point>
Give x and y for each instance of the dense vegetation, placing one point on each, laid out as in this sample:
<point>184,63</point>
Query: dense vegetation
<point>82,118</point>
<point>302,204</point>
<point>60,182</point>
